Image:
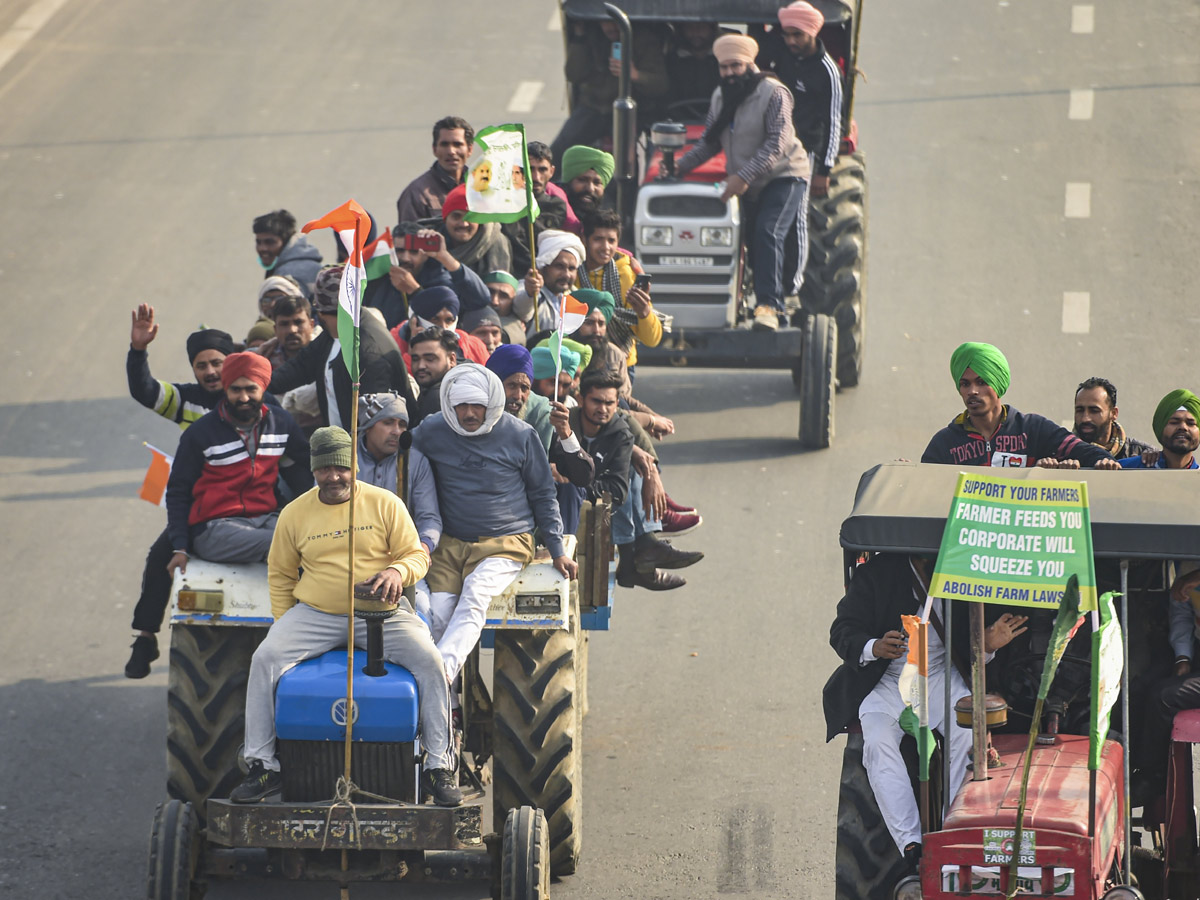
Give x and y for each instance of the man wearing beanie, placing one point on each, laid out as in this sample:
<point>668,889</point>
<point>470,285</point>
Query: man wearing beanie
<point>310,612</point>
<point>221,500</point>
<point>1175,427</point>
<point>484,325</point>
<point>797,57</point>
<point>283,252</point>
<point>386,460</point>
<point>766,165</point>
<point>381,367</point>
<point>593,69</point>
<point>182,404</point>
<point>494,488</point>
<point>991,433</point>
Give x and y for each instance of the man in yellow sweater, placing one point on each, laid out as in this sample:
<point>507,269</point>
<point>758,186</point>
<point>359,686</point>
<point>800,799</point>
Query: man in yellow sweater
<point>310,611</point>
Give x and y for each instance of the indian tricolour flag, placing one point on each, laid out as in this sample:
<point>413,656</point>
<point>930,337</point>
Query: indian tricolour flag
<point>351,223</point>
<point>914,690</point>
<point>568,316</point>
<point>379,256</point>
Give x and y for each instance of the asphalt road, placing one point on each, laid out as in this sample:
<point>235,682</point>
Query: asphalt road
<point>139,139</point>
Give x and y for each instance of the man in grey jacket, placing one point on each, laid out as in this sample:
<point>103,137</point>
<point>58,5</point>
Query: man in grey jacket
<point>384,455</point>
<point>750,120</point>
<point>494,487</point>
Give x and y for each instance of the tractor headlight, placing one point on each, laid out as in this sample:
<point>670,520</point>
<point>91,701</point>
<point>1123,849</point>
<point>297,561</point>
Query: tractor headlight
<point>201,601</point>
<point>716,237</point>
<point>657,235</point>
<point>909,888</point>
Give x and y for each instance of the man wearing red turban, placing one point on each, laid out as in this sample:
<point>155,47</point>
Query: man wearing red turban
<point>221,500</point>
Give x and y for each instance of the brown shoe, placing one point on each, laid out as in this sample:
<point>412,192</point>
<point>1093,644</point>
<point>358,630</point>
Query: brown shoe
<point>766,318</point>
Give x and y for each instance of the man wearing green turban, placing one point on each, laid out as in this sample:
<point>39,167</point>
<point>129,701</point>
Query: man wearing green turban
<point>991,433</point>
<point>1176,429</point>
<point>586,172</point>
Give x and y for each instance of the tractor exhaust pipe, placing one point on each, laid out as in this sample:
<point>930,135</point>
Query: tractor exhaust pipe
<point>624,121</point>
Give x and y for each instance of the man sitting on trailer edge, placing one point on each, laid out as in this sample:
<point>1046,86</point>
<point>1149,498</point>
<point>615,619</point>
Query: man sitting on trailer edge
<point>991,433</point>
<point>869,637</point>
<point>310,612</point>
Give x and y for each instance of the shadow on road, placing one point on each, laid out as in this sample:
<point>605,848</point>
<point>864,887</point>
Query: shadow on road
<point>731,449</point>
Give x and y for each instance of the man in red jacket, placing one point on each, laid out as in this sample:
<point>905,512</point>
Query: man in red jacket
<point>221,497</point>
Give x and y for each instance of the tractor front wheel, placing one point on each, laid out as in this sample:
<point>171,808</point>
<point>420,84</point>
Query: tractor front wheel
<point>867,864</point>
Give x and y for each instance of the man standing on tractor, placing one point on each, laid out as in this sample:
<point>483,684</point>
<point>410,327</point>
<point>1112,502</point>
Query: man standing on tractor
<point>991,433</point>
<point>1096,420</point>
<point>869,637</point>
<point>310,612</point>
<point>765,163</point>
<point>182,404</point>
<point>798,58</point>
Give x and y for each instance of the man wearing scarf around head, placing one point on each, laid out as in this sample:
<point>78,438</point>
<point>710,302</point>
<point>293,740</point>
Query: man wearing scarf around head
<point>766,164</point>
<point>559,256</point>
<point>494,488</point>
<point>991,433</point>
<point>221,500</point>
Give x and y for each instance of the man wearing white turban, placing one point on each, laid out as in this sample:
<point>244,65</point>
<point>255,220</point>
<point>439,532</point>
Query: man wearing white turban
<point>494,487</point>
<point>559,256</point>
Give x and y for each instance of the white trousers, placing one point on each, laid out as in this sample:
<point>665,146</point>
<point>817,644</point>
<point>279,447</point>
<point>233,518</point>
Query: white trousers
<point>889,775</point>
<point>456,620</point>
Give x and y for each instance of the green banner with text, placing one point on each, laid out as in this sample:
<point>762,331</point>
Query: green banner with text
<point>1016,543</point>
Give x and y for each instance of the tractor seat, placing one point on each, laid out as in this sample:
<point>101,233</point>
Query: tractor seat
<point>1186,727</point>
<point>310,701</point>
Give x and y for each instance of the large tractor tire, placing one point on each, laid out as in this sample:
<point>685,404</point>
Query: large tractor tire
<point>835,277</point>
<point>537,753</point>
<point>818,382</point>
<point>174,853</point>
<point>525,856</point>
<point>206,709</point>
<point>867,864</point>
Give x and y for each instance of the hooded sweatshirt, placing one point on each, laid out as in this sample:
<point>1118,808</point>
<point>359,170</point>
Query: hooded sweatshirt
<point>1020,441</point>
<point>301,260</point>
<point>495,482</point>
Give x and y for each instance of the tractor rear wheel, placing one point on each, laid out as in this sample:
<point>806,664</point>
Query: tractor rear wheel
<point>175,845</point>
<point>537,751</point>
<point>525,856</point>
<point>867,864</point>
<point>835,277</point>
<point>206,709</point>
<point>818,360</point>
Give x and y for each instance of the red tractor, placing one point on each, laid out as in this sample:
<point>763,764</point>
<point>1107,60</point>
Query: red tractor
<point>691,242</point>
<point>1078,833</point>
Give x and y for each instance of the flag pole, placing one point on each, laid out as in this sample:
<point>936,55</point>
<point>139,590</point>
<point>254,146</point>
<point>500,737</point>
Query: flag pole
<point>528,200</point>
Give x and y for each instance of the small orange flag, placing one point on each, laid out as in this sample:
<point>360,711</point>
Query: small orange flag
<point>154,485</point>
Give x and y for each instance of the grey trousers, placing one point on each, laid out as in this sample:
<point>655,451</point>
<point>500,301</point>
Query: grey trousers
<point>235,539</point>
<point>303,632</point>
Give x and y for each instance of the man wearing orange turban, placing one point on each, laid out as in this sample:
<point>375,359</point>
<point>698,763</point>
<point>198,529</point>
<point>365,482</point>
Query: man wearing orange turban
<point>221,500</point>
<point>766,166</point>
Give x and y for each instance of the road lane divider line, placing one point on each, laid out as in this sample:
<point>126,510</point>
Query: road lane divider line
<point>1083,19</point>
<point>26,27</point>
<point>1079,200</point>
<point>1082,101</point>
<point>1076,312</point>
<point>525,96</point>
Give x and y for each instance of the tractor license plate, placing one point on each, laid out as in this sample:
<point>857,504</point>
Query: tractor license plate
<point>685,260</point>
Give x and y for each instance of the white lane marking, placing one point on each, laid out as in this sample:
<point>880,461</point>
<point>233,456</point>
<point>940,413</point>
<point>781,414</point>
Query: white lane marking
<point>525,96</point>
<point>1076,312</point>
<point>555,23</point>
<point>1081,104</point>
<point>26,27</point>
<point>1079,200</point>
<point>1083,19</point>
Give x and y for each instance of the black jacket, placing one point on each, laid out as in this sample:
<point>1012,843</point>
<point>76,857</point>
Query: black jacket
<point>879,593</point>
<point>183,404</point>
<point>578,467</point>
<point>816,85</point>
<point>381,368</point>
<point>610,451</point>
<point>1020,441</point>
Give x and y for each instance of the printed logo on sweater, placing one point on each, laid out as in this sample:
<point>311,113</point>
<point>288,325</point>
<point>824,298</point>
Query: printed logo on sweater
<point>340,533</point>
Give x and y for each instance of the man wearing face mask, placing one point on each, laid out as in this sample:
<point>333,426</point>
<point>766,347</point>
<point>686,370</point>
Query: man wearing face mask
<point>766,164</point>
<point>221,500</point>
<point>281,251</point>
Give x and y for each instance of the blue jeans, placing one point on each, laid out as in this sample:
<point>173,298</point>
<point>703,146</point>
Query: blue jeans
<point>770,217</point>
<point>629,519</point>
